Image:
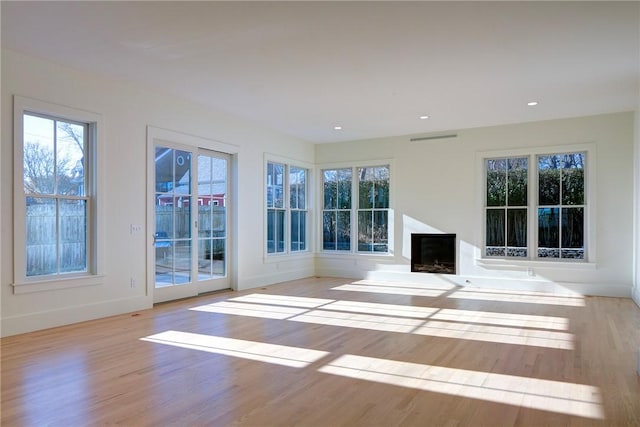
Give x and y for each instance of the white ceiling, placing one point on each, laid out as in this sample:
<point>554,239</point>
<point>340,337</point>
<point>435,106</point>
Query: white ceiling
<point>371,67</point>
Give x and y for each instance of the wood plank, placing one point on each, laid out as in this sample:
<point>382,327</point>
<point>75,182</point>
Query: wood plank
<point>314,352</point>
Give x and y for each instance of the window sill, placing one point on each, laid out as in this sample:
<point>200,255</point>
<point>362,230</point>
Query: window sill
<point>56,284</point>
<point>561,265</point>
<point>355,255</point>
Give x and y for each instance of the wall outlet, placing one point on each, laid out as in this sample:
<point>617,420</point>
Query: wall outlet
<point>133,282</point>
<point>136,228</point>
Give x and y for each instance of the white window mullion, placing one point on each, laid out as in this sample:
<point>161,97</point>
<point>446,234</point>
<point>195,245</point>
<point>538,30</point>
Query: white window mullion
<point>55,157</point>
<point>287,210</point>
<point>560,210</point>
<point>58,242</point>
<point>355,198</point>
<point>532,214</point>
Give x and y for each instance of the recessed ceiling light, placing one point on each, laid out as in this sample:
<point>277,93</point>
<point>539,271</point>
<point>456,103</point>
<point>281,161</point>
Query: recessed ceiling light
<point>532,103</point>
<point>337,128</point>
<point>425,117</point>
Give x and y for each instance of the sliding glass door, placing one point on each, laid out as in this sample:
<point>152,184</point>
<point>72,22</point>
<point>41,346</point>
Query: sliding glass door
<point>190,242</point>
<point>212,220</point>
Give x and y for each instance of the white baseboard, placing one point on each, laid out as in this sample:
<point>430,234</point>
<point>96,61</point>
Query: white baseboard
<point>635,294</point>
<point>48,319</point>
<point>270,279</point>
<point>20,324</point>
<point>43,320</point>
<point>558,288</point>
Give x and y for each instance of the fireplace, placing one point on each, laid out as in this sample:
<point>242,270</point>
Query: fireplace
<point>433,253</point>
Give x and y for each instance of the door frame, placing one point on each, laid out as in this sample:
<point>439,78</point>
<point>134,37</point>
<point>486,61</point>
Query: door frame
<point>178,140</point>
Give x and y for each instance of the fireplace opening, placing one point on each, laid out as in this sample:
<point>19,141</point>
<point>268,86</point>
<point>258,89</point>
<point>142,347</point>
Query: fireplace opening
<point>433,253</point>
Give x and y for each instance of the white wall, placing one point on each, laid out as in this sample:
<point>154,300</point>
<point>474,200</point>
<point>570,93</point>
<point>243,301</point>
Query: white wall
<point>127,110</point>
<point>636,288</point>
<point>436,187</point>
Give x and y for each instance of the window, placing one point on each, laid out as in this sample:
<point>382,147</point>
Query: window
<point>287,208</point>
<point>506,207</point>
<point>369,209</point>
<point>373,209</point>
<point>561,206</point>
<point>55,193</point>
<point>275,208</point>
<point>298,208</point>
<point>554,195</point>
<point>55,197</point>
<point>336,214</point>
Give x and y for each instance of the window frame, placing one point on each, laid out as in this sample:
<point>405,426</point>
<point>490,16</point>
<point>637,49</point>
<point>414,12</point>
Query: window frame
<point>287,209</point>
<point>298,210</point>
<point>562,206</point>
<point>589,261</point>
<point>277,210</point>
<point>355,208</point>
<point>337,209</point>
<point>94,210</point>
<point>507,208</point>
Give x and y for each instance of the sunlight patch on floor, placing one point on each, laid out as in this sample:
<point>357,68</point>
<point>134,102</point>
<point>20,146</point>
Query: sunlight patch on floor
<point>383,309</point>
<point>286,300</point>
<point>294,357</point>
<point>405,285</point>
<point>340,305</point>
<point>394,290</point>
<point>515,296</point>
<point>497,334</point>
<point>251,310</point>
<point>540,394</point>
<point>361,321</point>
<point>496,327</point>
<point>503,319</point>
<point>555,396</point>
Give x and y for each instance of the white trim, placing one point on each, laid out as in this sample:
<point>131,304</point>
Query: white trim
<point>537,150</point>
<point>286,257</point>
<point>194,145</point>
<point>263,280</point>
<point>57,283</point>
<point>309,184</point>
<point>377,257</point>
<point>532,234</point>
<point>95,162</point>
<point>161,134</point>
<point>531,263</point>
<point>396,273</point>
<point>635,293</point>
<point>270,157</point>
<point>390,163</point>
<point>355,163</point>
<point>23,323</point>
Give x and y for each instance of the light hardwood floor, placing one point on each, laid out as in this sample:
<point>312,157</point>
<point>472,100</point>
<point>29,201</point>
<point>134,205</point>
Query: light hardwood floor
<point>335,352</point>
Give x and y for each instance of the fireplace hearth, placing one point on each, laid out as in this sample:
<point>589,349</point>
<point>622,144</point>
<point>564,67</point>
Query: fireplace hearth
<point>433,253</point>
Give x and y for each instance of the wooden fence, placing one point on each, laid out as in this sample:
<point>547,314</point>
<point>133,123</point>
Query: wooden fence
<point>49,253</point>
<point>211,221</point>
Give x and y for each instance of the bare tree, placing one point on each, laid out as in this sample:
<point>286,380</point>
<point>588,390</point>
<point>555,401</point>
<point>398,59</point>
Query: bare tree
<point>72,133</point>
<point>45,172</point>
